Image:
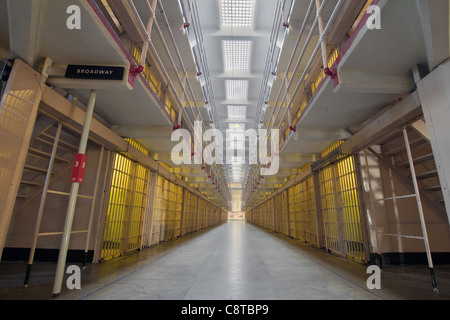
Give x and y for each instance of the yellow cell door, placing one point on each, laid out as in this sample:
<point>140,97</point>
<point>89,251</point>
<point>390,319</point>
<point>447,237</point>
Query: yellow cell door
<point>341,210</point>
<point>126,207</point>
<point>303,211</point>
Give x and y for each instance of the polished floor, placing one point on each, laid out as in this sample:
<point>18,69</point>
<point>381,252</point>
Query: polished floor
<point>235,261</point>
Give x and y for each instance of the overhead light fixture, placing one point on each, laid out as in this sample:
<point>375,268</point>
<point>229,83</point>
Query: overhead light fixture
<point>237,89</point>
<point>237,13</point>
<point>237,113</point>
<point>236,54</point>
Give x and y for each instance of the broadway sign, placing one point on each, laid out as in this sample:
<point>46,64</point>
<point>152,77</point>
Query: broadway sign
<point>94,72</point>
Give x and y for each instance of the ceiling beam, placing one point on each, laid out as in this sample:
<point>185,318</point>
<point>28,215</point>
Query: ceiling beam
<point>406,110</point>
<point>373,81</point>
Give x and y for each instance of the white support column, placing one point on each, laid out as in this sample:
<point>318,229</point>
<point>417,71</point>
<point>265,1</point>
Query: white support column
<point>73,201</point>
<point>94,200</point>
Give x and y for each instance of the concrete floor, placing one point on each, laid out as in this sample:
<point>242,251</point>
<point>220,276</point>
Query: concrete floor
<point>235,261</point>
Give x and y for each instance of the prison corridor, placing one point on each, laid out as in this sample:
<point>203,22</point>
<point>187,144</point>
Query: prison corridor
<point>235,261</point>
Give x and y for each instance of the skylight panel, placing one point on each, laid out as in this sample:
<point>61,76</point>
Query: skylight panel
<point>237,113</point>
<point>237,54</point>
<point>237,89</point>
<point>237,13</point>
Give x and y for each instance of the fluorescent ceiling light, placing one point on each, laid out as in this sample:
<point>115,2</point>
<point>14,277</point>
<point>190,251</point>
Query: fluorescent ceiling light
<point>236,54</point>
<point>237,89</point>
<point>237,13</point>
<point>237,113</point>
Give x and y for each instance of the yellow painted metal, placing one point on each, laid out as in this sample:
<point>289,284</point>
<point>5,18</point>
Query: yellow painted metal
<point>257,216</point>
<point>340,214</point>
<point>329,209</point>
<point>171,110</point>
<point>117,208</point>
<point>349,197</point>
<point>138,146</point>
<point>300,110</point>
<point>190,212</point>
<point>138,207</point>
<point>164,216</point>
<point>127,202</point>
<point>204,209</point>
<point>341,210</point>
<point>276,213</point>
<point>201,214</point>
<point>185,213</point>
<point>208,215</point>
<point>293,210</point>
<point>270,216</point>
<point>158,210</point>
<point>361,15</point>
<point>148,73</point>
<point>193,212</point>
<point>303,211</point>
<point>321,75</point>
<point>170,205</point>
<point>169,210</point>
<point>284,223</point>
<point>331,148</point>
<point>335,52</point>
<point>176,211</point>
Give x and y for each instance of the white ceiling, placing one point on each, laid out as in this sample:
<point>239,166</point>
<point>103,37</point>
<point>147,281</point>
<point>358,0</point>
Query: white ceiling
<point>258,35</point>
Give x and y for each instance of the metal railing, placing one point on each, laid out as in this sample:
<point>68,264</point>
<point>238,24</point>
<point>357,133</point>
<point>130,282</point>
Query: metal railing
<point>291,91</point>
<point>199,53</point>
<point>180,89</point>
